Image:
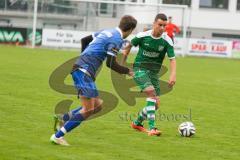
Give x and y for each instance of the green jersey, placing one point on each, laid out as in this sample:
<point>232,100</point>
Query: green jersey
<point>152,50</point>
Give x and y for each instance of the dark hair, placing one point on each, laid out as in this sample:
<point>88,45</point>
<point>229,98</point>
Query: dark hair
<point>127,23</point>
<point>161,16</point>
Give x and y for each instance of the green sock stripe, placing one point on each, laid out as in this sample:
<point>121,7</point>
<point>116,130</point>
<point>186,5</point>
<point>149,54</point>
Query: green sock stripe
<point>151,109</point>
<point>151,116</point>
<point>144,116</point>
<point>137,122</point>
<point>151,124</point>
<point>144,111</point>
<point>140,118</point>
<point>149,103</point>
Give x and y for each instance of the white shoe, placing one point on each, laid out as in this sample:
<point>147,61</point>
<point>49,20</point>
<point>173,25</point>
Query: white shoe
<point>59,141</point>
<point>58,122</point>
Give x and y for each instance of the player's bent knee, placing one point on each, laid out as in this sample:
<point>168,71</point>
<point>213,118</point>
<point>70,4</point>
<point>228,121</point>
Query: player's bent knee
<point>150,91</point>
<point>87,112</point>
<point>98,103</point>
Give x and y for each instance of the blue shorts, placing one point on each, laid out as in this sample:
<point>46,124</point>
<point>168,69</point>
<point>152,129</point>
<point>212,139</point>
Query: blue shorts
<point>84,84</point>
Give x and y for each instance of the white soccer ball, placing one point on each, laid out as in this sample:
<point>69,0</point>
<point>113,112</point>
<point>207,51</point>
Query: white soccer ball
<point>186,129</point>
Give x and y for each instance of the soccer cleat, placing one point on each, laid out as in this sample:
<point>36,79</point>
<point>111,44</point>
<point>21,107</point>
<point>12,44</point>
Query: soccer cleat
<point>58,122</point>
<point>58,141</point>
<point>154,131</point>
<point>138,127</point>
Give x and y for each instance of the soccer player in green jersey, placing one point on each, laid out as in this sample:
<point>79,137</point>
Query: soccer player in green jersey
<point>153,46</point>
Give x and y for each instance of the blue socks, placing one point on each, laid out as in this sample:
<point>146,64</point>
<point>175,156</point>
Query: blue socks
<point>67,116</point>
<point>74,121</point>
<point>76,110</point>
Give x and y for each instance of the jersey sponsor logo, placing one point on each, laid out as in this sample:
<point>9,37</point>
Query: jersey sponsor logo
<point>146,44</point>
<point>151,54</point>
<point>160,48</point>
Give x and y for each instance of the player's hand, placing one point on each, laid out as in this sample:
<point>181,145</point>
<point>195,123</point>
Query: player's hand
<point>131,73</point>
<point>172,80</point>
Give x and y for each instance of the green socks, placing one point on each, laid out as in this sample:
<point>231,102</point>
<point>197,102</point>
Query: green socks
<point>148,113</point>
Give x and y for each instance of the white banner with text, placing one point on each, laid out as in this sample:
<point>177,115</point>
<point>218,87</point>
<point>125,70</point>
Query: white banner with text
<point>206,47</point>
<point>63,38</point>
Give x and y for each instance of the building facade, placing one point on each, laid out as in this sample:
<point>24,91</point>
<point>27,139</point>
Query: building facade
<point>203,18</point>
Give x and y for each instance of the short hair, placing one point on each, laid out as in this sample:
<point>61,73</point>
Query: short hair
<point>127,23</point>
<point>161,16</point>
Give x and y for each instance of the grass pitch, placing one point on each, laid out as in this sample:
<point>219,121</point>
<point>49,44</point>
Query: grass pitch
<point>209,87</point>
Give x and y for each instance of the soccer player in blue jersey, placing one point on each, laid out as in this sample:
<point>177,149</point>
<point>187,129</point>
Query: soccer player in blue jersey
<point>105,45</point>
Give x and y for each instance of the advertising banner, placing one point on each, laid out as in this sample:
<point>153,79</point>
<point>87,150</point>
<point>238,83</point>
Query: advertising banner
<point>236,48</point>
<point>38,37</point>
<point>19,36</point>
<point>11,35</point>
<point>63,38</point>
<point>206,47</point>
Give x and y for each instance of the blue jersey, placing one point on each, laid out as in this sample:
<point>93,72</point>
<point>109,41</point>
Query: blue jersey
<point>105,42</point>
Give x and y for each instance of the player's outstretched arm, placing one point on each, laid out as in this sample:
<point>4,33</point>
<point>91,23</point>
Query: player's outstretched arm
<point>113,64</point>
<point>172,78</point>
<point>125,53</point>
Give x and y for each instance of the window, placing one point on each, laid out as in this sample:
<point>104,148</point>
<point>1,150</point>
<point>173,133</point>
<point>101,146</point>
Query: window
<point>17,5</point>
<point>2,4</point>
<point>106,9</point>
<point>218,4</point>
<point>224,35</point>
<point>180,2</point>
<point>238,5</point>
<point>103,8</point>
